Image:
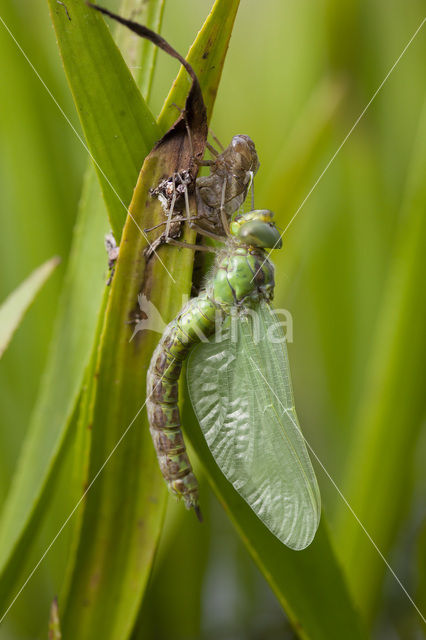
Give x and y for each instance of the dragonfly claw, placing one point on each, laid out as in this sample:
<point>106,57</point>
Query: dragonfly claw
<point>198,513</point>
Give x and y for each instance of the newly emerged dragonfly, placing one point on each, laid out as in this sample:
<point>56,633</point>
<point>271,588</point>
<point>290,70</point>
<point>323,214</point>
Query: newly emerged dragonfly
<point>240,389</point>
<point>240,385</point>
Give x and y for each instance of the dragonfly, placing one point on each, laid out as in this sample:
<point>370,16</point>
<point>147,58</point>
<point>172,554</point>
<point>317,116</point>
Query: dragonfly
<point>240,388</point>
<point>217,195</point>
<point>239,385</point>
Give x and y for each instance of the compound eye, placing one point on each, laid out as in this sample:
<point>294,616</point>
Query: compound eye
<point>261,234</point>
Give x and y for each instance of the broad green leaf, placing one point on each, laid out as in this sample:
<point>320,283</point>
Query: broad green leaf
<point>185,610</point>
<point>119,128</point>
<point>123,511</point>
<point>60,389</point>
<point>125,505</point>
<point>392,407</point>
<point>39,180</point>
<point>17,303</point>
<point>83,286</point>
<point>309,584</point>
<point>143,58</point>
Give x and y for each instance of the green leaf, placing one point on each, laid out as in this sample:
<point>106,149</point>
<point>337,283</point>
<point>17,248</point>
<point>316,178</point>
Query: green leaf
<point>38,195</point>
<point>119,128</point>
<point>392,407</point>
<point>421,567</point>
<point>185,610</point>
<point>60,389</point>
<point>309,584</point>
<point>81,450</point>
<point>17,303</point>
<point>125,506</point>
<point>140,54</point>
<point>143,58</point>
<point>84,283</point>
<point>207,57</point>
<point>123,511</point>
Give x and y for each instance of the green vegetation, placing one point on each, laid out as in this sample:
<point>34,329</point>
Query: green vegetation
<point>130,563</point>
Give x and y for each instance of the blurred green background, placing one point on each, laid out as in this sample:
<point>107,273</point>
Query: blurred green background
<point>296,78</point>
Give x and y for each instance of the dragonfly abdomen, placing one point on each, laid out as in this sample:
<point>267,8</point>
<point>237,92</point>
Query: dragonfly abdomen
<point>196,319</point>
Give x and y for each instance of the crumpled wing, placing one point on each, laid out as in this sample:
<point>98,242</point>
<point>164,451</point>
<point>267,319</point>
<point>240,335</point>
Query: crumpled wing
<point>241,392</point>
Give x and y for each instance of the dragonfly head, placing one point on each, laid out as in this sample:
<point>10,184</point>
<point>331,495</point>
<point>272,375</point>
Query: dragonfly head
<point>257,228</point>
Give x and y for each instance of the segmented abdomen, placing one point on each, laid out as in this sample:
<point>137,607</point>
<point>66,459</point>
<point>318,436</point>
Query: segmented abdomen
<point>196,319</point>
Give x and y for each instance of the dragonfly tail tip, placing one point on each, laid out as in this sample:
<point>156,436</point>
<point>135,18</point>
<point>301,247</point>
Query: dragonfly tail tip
<point>198,513</point>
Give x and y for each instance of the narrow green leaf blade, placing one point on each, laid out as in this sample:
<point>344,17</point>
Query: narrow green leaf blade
<point>119,128</point>
<point>17,303</point>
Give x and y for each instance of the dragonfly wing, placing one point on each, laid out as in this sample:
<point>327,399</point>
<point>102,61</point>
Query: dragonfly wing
<point>241,392</point>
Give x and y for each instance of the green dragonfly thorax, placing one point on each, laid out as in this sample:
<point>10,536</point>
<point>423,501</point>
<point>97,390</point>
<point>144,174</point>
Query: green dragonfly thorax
<point>243,275</point>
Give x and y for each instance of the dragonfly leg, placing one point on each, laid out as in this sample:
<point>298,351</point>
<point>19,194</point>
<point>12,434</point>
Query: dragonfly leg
<point>212,150</point>
<point>112,250</point>
<point>204,163</point>
<point>208,145</point>
<point>171,209</point>
<point>223,217</point>
<point>175,219</point>
<point>207,234</point>
<point>188,130</point>
<point>187,245</point>
<point>195,227</point>
<point>251,187</point>
<point>216,139</point>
